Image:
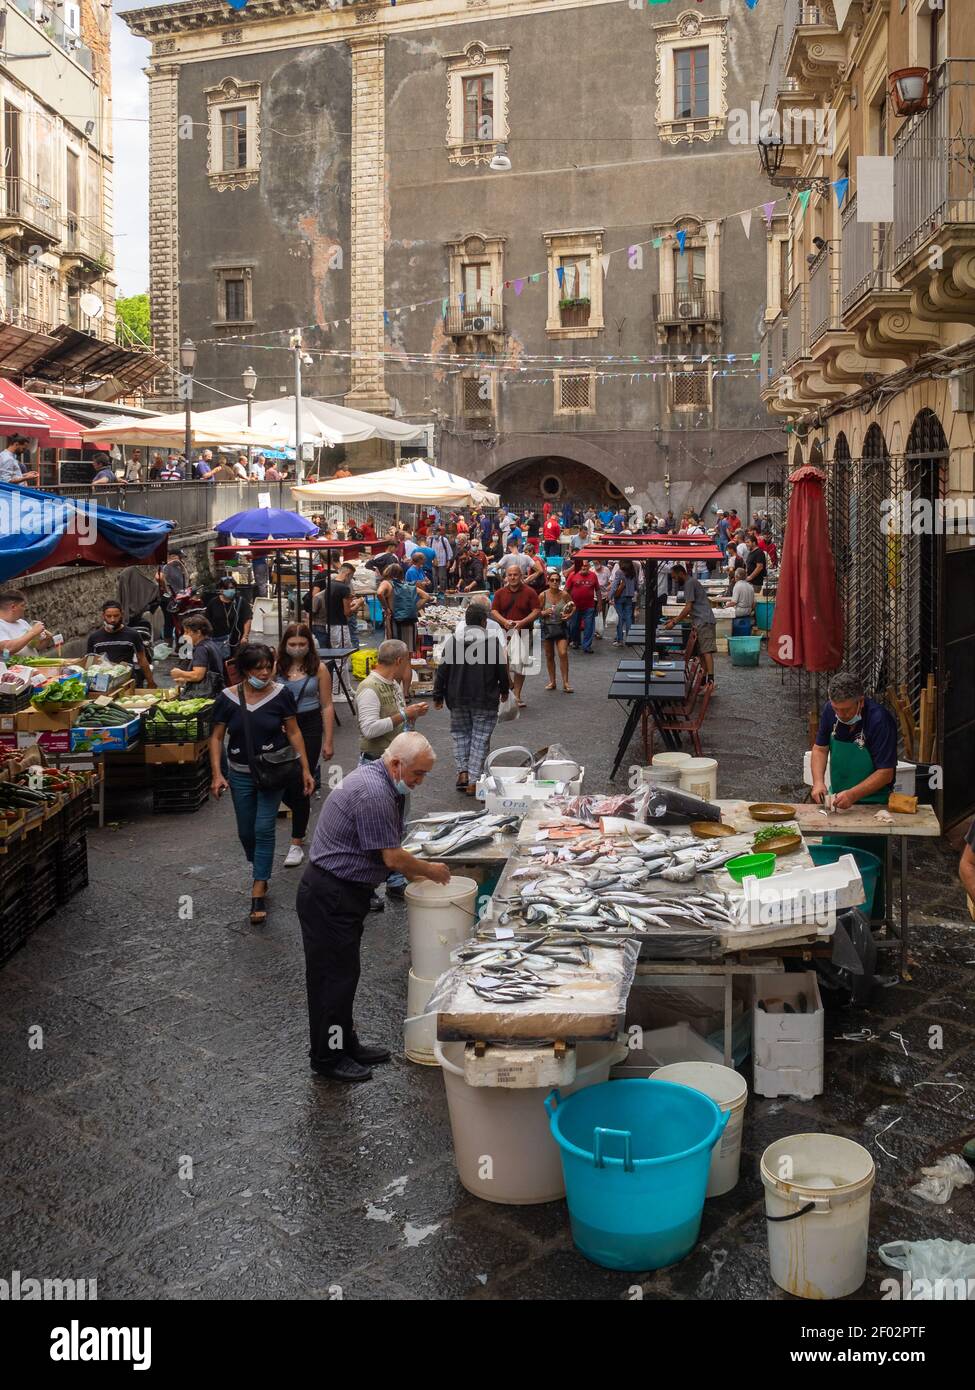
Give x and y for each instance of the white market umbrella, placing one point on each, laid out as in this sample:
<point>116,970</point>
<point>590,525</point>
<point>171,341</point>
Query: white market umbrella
<point>414,481</point>
<point>321,422</point>
<point>169,432</point>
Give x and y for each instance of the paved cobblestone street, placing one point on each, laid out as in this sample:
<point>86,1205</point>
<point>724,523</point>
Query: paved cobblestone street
<point>168,1040</point>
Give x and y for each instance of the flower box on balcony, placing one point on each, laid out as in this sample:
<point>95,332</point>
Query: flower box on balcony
<point>574,313</point>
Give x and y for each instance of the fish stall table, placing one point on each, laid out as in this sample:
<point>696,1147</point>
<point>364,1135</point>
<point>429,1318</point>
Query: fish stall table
<point>721,961</point>
<point>861,821</point>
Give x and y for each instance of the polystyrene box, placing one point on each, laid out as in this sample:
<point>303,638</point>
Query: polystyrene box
<point>787,1048</point>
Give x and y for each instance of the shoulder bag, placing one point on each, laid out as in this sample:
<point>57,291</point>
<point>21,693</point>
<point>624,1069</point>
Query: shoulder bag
<point>271,771</point>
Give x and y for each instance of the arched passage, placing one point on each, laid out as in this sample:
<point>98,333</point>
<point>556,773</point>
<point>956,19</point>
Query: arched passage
<point>530,482</point>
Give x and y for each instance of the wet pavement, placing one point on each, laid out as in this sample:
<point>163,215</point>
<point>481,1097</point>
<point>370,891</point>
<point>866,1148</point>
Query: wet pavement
<point>168,1140</point>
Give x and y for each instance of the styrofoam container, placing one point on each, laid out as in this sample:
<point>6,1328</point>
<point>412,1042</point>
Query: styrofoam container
<point>729,1091</point>
<point>803,895</point>
<point>660,1047</point>
<point>419,1033</point>
<point>905,781</point>
<point>518,799</point>
<point>817,1199</point>
<point>699,777</point>
<point>787,1048</point>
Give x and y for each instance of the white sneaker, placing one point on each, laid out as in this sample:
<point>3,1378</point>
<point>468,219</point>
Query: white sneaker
<point>294,857</point>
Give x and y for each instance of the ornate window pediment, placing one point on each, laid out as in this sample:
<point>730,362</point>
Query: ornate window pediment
<point>692,77</point>
<point>233,134</point>
<point>477,103</point>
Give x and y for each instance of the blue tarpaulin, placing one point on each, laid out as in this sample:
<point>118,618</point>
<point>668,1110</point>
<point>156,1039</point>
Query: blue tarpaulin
<point>41,529</point>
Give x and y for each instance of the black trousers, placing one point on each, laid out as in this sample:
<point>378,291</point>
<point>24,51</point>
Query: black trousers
<point>332,913</point>
<point>313,732</point>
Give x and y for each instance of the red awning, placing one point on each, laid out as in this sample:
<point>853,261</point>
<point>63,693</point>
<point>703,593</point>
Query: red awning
<point>807,628</point>
<point>21,413</point>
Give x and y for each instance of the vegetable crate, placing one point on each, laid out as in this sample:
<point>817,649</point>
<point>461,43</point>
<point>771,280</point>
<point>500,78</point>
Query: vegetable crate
<point>188,728</point>
<point>181,787</point>
<point>71,867</point>
<point>43,895</point>
<point>15,916</point>
<point>76,812</point>
<point>13,703</point>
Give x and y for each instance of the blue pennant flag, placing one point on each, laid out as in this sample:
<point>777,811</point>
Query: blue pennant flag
<point>236,4</point>
<point>681,239</point>
<point>840,188</point>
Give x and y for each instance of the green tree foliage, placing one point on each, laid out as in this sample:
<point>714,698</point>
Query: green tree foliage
<point>133,312</point>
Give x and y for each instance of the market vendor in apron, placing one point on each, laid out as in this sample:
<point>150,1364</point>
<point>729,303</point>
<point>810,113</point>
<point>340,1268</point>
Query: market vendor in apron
<point>859,737</point>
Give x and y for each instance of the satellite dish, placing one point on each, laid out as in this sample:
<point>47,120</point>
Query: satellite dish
<point>91,305</point>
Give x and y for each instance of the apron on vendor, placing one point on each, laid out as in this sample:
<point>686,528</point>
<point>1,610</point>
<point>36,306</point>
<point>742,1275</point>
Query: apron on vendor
<point>859,737</point>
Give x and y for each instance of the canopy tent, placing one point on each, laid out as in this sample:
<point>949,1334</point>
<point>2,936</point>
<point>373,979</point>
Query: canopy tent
<point>262,523</point>
<point>322,422</point>
<point>39,530</point>
<point>414,481</point>
<point>21,413</point>
<point>169,432</point>
<point>807,627</point>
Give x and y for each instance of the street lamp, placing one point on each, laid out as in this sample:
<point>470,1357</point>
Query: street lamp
<point>249,377</point>
<point>187,362</point>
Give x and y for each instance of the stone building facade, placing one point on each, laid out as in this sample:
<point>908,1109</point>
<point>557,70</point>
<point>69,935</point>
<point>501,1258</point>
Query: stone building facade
<point>57,190</point>
<point>869,351</point>
<point>330,166</point>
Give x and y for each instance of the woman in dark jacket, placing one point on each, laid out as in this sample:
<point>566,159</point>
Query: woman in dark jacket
<point>472,679</point>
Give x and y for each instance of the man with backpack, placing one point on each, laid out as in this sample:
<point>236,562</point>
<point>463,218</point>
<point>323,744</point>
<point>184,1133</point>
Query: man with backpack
<point>401,603</point>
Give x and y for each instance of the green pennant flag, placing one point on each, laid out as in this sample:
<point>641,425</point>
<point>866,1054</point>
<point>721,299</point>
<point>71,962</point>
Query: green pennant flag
<point>756,356</point>
<point>804,200</point>
<point>658,241</point>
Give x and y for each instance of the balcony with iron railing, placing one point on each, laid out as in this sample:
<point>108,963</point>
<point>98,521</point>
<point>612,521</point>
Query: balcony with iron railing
<point>796,333</point>
<point>51,24</point>
<point>864,260</point>
<point>934,166</point>
<point>824,296</point>
<point>811,46</point>
<point>689,305</point>
<point>85,238</point>
<point>473,319</point>
<point>28,209</point>
<point>773,351</point>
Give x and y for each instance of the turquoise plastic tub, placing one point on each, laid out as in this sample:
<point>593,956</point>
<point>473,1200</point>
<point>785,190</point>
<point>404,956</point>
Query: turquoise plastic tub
<point>764,610</point>
<point>375,610</point>
<point>870,867</point>
<point>635,1158</point>
<point>744,650</point>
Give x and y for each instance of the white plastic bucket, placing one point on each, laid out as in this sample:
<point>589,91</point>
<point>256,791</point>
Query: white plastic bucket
<point>441,917</point>
<point>662,776</point>
<point>817,1201</point>
<point>502,1142</point>
<point>670,759</point>
<point>419,1034</point>
<point>729,1091</point>
<point>699,777</point>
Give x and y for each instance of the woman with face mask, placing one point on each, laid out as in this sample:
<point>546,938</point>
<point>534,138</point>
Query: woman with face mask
<point>300,670</point>
<point>259,718</point>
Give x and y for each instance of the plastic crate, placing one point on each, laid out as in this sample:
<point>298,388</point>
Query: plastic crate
<point>43,896</point>
<point>76,812</point>
<point>186,799</point>
<point>15,926</point>
<point>13,704</point>
<point>182,777</point>
<point>72,867</point>
<point>193,728</point>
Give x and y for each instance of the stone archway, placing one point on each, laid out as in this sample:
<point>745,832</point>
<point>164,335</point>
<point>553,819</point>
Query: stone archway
<point>531,482</point>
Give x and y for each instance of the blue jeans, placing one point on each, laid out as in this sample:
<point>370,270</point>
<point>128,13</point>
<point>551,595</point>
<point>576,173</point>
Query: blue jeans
<point>581,627</point>
<point>393,879</point>
<point>256,813</point>
<point>624,619</point>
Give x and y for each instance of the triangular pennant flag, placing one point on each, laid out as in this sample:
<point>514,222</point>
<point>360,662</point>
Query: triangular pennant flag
<point>681,239</point>
<point>840,186</point>
<point>769,211</point>
<point>519,286</point>
<point>462,298</point>
<point>443,306</point>
<point>746,222</point>
<point>751,3</point>
<point>604,262</point>
<point>658,241</point>
<point>559,275</point>
<point>507,284</point>
<point>712,230</point>
<point>756,356</point>
<point>412,308</point>
<point>804,197</point>
<point>536,277</point>
<point>385,316</point>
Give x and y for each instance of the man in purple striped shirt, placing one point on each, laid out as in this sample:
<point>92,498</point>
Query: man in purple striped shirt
<point>357,842</point>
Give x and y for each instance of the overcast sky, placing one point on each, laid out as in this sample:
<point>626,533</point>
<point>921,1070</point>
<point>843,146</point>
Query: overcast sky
<point>130,92</point>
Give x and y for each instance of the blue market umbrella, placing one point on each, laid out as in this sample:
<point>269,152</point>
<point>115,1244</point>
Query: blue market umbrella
<point>267,523</point>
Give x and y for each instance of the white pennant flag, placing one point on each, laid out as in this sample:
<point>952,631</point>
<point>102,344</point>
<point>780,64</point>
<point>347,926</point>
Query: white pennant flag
<point>746,222</point>
<point>712,230</point>
<point>604,262</point>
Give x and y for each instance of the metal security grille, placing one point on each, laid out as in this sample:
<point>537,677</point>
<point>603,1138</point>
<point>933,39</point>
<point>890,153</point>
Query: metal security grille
<point>887,550</point>
<point>690,389</point>
<point>575,393</point>
<point>476,401</point>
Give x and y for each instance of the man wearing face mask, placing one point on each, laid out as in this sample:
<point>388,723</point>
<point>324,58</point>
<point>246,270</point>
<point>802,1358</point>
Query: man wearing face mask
<point>229,616</point>
<point>116,642</point>
<point>859,737</point>
<point>357,843</point>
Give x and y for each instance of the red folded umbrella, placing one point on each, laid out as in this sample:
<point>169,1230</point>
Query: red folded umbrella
<point>807,629</point>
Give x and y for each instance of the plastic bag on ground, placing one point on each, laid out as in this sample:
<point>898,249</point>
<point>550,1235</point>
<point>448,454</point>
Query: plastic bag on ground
<point>934,1261</point>
<point>942,1178</point>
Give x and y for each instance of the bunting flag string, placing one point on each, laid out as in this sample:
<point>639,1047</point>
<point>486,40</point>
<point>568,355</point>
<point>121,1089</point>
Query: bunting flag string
<point>804,197</point>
